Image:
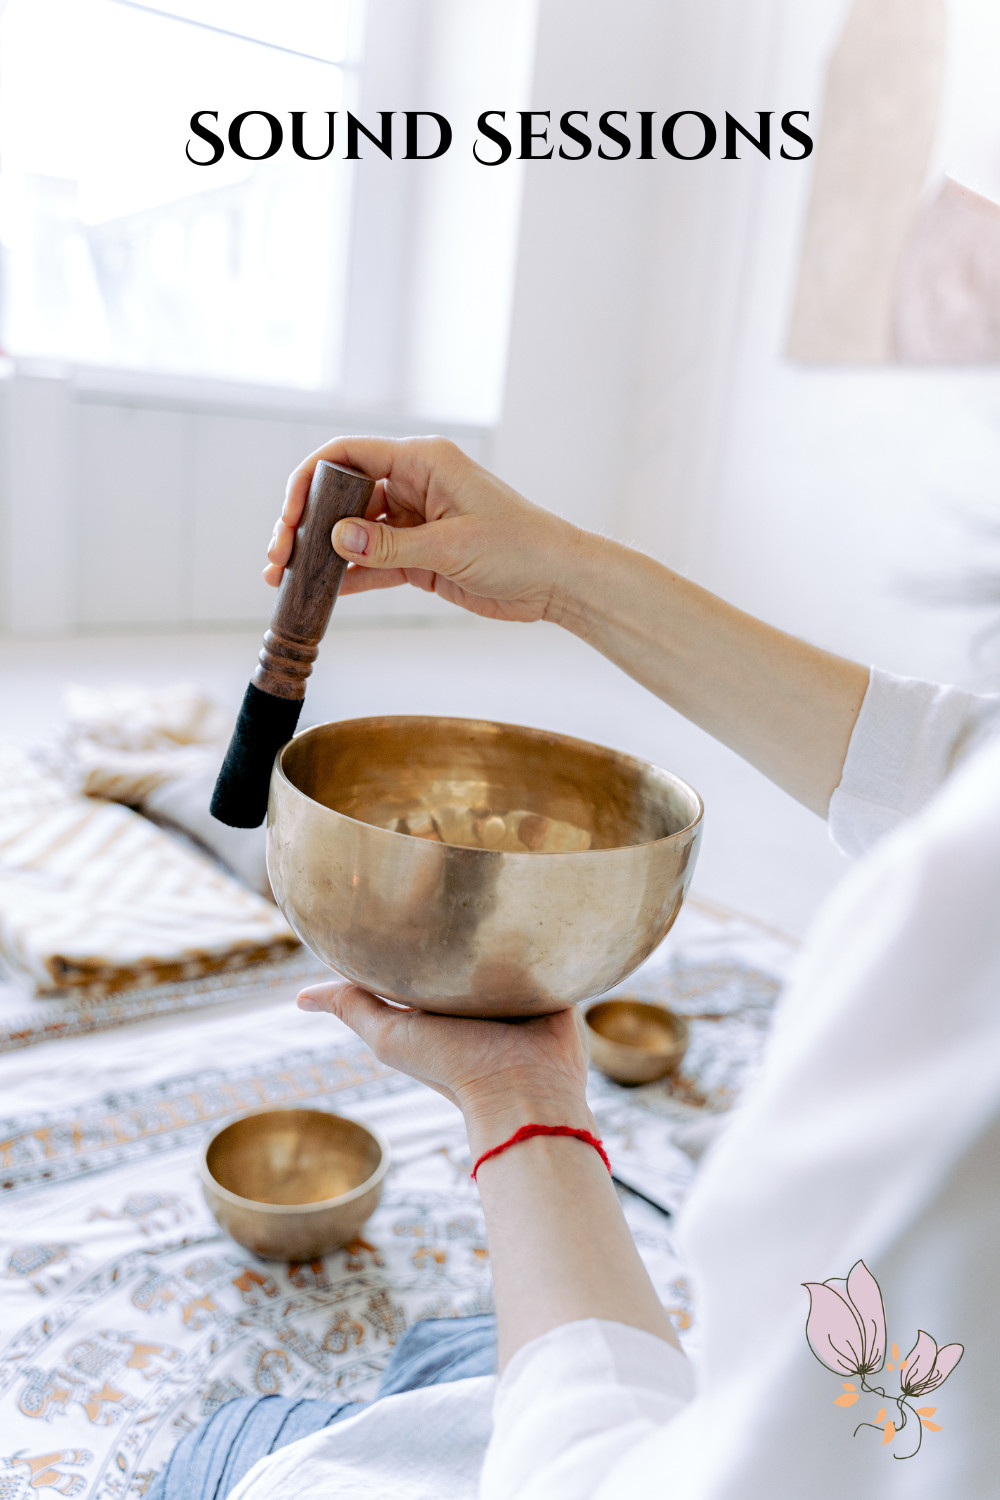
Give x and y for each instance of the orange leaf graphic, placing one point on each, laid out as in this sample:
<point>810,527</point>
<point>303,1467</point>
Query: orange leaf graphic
<point>926,1411</point>
<point>931,1426</point>
<point>889,1365</point>
<point>890,1433</point>
<point>895,1351</point>
<point>848,1399</point>
<point>881,1415</point>
<point>849,1387</point>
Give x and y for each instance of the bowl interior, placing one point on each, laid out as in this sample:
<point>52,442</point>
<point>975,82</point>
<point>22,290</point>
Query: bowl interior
<point>292,1156</point>
<point>482,785</point>
<point>633,1023</point>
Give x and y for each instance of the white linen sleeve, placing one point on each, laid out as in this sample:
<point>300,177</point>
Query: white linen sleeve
<point>573,1403</point>
<point>908,738</point>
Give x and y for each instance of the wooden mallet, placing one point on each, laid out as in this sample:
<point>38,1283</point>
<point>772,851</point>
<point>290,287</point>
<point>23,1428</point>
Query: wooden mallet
<point>302,611</point>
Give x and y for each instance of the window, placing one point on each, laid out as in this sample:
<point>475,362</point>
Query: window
<point>385,285</point>
<point>117,250</point>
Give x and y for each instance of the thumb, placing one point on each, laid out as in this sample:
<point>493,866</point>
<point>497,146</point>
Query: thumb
<point>371,544</point>
<point>370,1017</point>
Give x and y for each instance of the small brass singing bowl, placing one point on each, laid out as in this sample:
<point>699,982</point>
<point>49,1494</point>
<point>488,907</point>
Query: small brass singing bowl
<point>293,1184</point>
<point>632,1041</point>
<point>474,868</point>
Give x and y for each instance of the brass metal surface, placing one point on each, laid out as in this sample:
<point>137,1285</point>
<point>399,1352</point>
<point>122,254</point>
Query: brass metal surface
<point>475,868</point>
<point>632,1041</point>
<point>291,1184</point>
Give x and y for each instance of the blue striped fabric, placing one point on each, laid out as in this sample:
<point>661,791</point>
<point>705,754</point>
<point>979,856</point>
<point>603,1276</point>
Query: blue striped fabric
<point>209,1462</point>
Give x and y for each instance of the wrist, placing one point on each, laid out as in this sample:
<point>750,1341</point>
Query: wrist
<point>494,1117</point>
<point>596,584</point>
<point>578,563</point>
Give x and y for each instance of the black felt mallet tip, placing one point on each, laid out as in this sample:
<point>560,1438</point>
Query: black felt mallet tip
<point>273,700</point>
<point>265,724</point>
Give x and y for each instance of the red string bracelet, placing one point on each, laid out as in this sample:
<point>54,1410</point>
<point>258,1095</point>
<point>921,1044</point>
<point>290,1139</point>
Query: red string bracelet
<point>527,1131</point>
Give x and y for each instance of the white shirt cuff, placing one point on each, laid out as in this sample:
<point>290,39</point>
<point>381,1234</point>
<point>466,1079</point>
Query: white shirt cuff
<point>908,737</point>
<point>572,1403</point>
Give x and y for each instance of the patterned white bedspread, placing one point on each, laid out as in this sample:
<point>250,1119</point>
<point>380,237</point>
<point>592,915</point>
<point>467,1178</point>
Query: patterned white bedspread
<point>126,1316</point>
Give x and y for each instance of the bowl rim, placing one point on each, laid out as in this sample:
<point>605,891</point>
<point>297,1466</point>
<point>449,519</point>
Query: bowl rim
<point>279,774</point>
<point>236,1200</point>
<point>679,1027</point>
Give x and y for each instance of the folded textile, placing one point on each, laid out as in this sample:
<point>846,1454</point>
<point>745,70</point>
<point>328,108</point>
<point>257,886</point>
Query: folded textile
<point>125,742</point>
<point>183,802</point>
<point>92,893</point>
<point>157,749</point>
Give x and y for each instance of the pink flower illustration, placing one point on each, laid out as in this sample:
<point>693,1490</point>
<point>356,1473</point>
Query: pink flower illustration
<point>846,1324</point>
<point>845,1330</point>
<point>926,1366</point>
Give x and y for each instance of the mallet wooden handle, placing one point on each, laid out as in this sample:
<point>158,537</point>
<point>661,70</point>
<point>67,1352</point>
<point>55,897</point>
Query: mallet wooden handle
<point>312,580</point>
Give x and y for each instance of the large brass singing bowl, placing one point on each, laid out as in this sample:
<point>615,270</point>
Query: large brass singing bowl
<point>474,868</point>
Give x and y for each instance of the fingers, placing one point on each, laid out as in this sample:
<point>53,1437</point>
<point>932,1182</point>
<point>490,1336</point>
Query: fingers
<point>279,548</point>
<point>370,1018</point>
<point>434,547</point>
<point>296,490</point>
<point>376,457</point>
<point>376,505</point>
<point>363,580</point>
<point>331,996</point>
<point>405,469</point>
<point>367,454</point>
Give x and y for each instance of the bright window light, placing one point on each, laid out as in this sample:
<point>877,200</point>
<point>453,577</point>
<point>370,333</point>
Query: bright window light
<point>316,28</point>
<point>117,250</point>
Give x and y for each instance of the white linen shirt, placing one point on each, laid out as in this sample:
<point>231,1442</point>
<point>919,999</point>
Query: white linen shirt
<point>872,1132</point>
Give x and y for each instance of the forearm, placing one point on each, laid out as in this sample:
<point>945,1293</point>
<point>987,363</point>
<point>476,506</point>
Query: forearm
<point>450,526</point>
<point>785,706</point>
<point>560,1248</point>
<point>559,1245</point>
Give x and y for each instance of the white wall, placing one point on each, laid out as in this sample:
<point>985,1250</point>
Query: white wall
<point>37,531</point>
<point>648,391</point>
<point>628,288</point>
<point>137,503</point>
<point>582,266</point>
<point>818,498</point>
<point>434,243</point>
